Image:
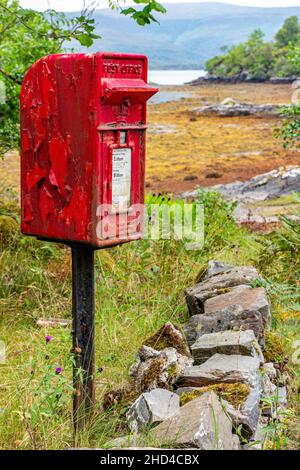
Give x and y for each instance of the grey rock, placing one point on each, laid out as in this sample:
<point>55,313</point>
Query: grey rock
<point>152,407</point>
<point>274,399</point>
<point>262,187</point>
<point>226,342</point>
<point>269,369</point>
<point>157,369</point>
<point>215,267</point>
<point>218,284</point>
<point>230,107</point>
<point>181,390</point>
<point>265,186</point>
<point>282,396</point>
<point>222,368</point>
<point>243,308</point>
<point>258,439</point>
<point>296,84</point>
<point>201,423</point>
<point>247,416</point>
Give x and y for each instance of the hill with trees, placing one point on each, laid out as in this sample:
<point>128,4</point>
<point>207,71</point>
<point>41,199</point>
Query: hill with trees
<point>258,59</point>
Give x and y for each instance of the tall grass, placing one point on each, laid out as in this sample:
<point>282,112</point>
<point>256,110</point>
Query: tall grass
<point>138,287</point>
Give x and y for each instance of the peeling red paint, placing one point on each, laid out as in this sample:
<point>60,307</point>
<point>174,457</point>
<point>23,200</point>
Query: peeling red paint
<point>73,107</point>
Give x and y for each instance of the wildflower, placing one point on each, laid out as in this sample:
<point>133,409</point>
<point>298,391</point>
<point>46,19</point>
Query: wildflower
<point>48,338</point>
<point>58,370</point>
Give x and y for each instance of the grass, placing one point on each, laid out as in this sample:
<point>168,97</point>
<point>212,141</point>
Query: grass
<point>138,287</point>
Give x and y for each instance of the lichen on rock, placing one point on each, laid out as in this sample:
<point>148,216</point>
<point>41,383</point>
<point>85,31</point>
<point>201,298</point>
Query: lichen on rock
<point>157,369</point>
<point>169,336</point>
<point>235,393</point>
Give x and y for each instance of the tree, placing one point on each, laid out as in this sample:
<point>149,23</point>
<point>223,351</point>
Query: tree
<point>288,33</point>
<point>27,35</point>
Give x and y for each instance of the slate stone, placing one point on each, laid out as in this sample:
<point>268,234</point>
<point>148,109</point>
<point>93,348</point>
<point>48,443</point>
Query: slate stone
<point>157,369</point>
<point>215,267</point>
<point>243,308</point>
<point>247,416</point>
<point>235,108</point>
<point>269,369</point>
<point>216,285</point>
<point>201,423</point>
<point>226,342</point>
<point>222,368</point>
<point>152,407</point>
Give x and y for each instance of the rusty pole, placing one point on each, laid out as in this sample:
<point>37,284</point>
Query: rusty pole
<point>83,334</point>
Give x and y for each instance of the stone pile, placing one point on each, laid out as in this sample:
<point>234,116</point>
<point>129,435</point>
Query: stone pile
<point>230,107</point>
<point>210,386</point>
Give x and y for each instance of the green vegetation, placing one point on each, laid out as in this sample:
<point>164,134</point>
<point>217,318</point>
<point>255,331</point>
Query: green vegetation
<point>289,129</point>
<point>139,287</point>
<point>260,60</point>
<point>27,35</point>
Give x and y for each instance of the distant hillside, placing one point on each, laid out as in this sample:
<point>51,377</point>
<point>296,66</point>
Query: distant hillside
<point>188,34</point>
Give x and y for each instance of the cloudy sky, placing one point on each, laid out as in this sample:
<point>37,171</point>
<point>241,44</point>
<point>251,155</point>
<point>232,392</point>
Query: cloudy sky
<point>73,5</point>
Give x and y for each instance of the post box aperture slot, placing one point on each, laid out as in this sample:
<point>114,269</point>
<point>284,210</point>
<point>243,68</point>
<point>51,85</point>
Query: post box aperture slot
<point>121,178</point>
<point>133,91</point>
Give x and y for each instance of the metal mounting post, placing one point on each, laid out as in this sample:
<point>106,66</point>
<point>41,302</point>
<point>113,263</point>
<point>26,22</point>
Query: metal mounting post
<point>83,333</point>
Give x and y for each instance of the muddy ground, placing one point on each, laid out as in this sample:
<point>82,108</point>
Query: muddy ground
<point>212,150</point>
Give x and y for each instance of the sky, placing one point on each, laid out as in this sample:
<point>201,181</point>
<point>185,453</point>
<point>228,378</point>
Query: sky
<point>75,5</point>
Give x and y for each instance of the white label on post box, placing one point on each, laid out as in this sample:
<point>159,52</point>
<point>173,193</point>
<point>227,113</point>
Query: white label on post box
<point>121,178</point>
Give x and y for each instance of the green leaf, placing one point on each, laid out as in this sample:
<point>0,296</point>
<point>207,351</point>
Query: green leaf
<point>85,40</point>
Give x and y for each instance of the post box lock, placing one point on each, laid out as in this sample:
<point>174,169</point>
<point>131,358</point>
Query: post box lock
<point>83,122</point>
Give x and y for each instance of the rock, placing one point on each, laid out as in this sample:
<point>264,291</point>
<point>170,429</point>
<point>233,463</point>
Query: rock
<point>230,107</point>
<point>218,284</point>
<point>274,399</point>
<point>246,416</point>
<point>262,187</point>
<point>215,267</point>
<point>157,369</point>
<point>234,393</point>
<point>180,390</point>
<point>190,178</point>
<point>282,80</point>
<point>222,368</point>
<point>168,336</point>
<point>269,185</point>
<point>296,84</point>
<point>226,342</point>
<point>152,407</point>
<point>243,308</point>
<point>229,102</point>
<point>258,439</point>
<point>269,369</point>
<point>282,396</point>
<point>200,423</point>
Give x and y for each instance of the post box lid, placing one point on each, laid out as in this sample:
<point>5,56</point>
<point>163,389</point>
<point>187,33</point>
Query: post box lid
<point>136,90</point>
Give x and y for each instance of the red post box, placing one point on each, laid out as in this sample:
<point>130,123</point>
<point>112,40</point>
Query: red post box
<point>83,124</point>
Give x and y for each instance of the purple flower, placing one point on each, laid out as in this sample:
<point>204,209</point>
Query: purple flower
<point>58,370</point>
<point>48,338</point>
